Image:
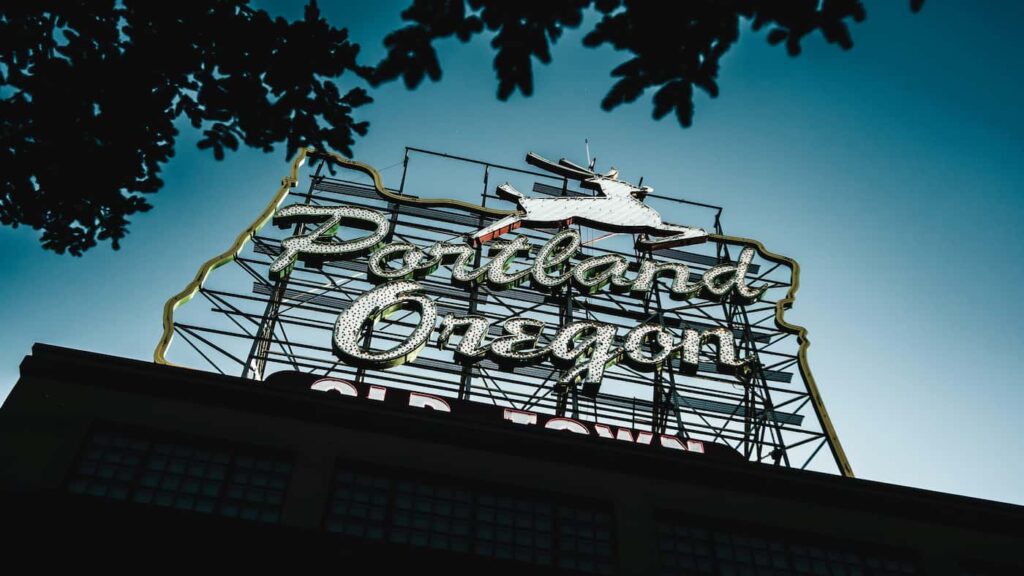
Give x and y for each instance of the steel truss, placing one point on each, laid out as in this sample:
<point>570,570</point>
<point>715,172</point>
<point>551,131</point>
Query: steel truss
<point>766,413</point>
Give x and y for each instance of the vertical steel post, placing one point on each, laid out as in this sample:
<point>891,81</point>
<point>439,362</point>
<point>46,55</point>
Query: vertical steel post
<point>256,362</point>
<point>466,378</point>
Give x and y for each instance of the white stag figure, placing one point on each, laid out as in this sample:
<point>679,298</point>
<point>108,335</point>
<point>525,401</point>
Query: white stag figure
<point>618,207</point>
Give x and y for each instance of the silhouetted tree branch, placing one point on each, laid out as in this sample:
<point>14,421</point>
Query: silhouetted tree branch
<point>673,47</point>
<point>90,91</point>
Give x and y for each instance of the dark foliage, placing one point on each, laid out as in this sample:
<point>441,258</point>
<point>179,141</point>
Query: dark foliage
<point>673,47</point>
<point>90,91</point>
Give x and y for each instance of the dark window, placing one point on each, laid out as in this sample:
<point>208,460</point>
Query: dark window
<point>188,474</point>
<point>501,524</point>
<point>688,549</point>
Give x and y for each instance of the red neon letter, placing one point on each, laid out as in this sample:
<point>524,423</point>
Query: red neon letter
<point>566,424</point>
<point>520,416</point>
<point>340,386</point>
<point>672,442</point>
<point>676,443</point>
<point>605,431</point>
<point>417,400</point>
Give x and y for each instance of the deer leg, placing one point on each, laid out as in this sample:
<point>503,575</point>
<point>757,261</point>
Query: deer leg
<point>671,235</point>
<point>488,233</point>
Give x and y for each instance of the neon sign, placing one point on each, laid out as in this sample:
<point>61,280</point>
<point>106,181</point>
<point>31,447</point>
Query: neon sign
<point>563,318</point>
<point>582,349</point>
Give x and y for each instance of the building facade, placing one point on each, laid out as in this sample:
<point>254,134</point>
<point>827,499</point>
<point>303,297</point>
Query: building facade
<point>113,462</point>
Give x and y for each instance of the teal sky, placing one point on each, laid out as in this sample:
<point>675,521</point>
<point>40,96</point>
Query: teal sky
<point>892,172</point>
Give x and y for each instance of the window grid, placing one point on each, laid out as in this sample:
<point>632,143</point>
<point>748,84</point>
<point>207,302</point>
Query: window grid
<point>688,550</point>
<point>183,474</point>
<point>438,515</point>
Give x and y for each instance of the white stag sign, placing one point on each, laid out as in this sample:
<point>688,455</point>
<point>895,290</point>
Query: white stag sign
<point>618,207</point>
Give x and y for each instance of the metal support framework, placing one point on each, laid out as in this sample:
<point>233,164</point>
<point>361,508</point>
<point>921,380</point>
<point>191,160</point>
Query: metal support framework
<point>256,362</point>
<point>769,413</point>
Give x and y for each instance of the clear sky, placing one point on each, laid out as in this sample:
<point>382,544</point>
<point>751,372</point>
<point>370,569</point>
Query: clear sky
<point>892,172</point>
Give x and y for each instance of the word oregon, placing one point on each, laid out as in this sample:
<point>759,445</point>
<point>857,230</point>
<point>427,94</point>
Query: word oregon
<point>550,270</point>
<point>584,349</point>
